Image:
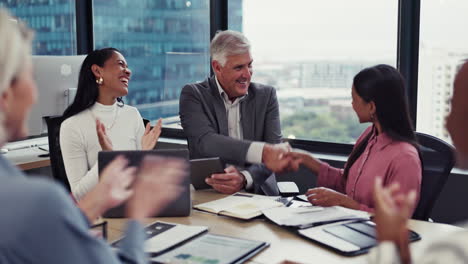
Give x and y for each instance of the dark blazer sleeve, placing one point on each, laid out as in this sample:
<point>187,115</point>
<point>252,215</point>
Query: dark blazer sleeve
<point>198,119</point>
<point>264,180</point>
<point>272,127</point>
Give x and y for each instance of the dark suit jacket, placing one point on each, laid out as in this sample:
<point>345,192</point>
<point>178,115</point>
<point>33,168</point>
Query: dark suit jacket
<point>204,120</point>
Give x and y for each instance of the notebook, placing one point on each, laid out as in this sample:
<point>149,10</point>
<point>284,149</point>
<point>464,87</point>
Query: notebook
<point>240,205</point>
<point>179,207</point>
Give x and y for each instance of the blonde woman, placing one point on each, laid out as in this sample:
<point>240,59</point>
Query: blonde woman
<point>39,222</point>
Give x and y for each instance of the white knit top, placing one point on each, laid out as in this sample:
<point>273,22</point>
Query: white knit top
<point>80,146</point>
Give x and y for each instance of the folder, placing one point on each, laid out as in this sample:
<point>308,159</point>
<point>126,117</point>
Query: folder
<point>348,238</point>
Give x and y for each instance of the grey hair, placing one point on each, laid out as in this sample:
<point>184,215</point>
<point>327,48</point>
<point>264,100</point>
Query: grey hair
<point>15,47</point>
<point>228,43</point>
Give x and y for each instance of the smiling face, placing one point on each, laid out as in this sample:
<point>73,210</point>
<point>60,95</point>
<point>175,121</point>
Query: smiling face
<point>456,120</point>
<point>115,74</point>
<point>235,75</point>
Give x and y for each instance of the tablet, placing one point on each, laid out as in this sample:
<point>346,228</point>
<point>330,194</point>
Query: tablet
<point>203,168</point>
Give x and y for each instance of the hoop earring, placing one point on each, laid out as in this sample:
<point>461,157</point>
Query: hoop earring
<point>372,117</point>
<point>99,81</point>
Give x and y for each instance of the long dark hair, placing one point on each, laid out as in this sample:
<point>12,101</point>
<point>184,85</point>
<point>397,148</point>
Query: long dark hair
<point>385,86</point>
<point>87,92</point>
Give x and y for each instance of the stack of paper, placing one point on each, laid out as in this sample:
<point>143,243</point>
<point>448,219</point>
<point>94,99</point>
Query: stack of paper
<point>303,217</point>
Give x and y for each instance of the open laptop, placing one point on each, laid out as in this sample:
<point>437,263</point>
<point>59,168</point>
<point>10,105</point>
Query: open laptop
<point>180,207</point>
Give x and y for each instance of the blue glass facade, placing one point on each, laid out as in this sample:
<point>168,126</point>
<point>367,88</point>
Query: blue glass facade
<point>165,42</point>
<point>53,21</point>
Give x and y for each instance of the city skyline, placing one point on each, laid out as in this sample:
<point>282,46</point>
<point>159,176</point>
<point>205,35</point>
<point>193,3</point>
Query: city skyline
<point>303,44</point>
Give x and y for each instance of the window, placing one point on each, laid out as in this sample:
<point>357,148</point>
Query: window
<point>52,21</point>
<point>310,51</point>
<point>442,49</point>
<point>166,44</point>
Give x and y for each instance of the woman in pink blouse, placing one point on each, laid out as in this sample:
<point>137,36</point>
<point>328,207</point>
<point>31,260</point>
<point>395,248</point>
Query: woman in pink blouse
<point>386,149</point>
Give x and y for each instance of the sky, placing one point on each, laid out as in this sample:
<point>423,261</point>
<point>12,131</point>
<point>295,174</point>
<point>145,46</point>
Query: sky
<point>346,29</point>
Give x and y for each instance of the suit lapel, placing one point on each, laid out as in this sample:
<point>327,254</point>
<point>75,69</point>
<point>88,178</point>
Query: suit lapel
<point>220,109</point>
<point>247,111</point>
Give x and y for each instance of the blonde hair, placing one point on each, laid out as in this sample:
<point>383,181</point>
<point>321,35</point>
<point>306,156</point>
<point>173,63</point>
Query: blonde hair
<point>15,48</point>
<point>228,43</point>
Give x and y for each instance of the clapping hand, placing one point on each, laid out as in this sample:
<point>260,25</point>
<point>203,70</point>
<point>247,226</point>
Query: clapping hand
<point>104,140</point>
<point>112,189</point>
<point>151,135</point>
<point>392,212</point>
<point>157,184</point>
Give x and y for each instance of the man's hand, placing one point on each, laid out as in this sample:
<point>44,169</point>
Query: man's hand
<point>299,157</point>
<point>111,190</point>
<point>326,197</point>
<point>230,182</point>
<point>104,140</point>
<point>157,184</point>
<point>274,157</point>
<point>392,212</point>
<point>151,136</point>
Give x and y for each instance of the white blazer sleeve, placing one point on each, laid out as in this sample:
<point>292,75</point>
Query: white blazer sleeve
<point>81,178</point>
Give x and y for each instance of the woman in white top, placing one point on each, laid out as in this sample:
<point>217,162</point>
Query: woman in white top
<point>98,119</point>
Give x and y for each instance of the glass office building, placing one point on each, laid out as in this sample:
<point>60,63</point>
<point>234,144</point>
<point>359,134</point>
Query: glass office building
<point>310,55</point>
<point>53,22</point>
<point>165,42</point>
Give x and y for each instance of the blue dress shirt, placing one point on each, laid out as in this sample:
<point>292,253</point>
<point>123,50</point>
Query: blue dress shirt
<point>40,224</point>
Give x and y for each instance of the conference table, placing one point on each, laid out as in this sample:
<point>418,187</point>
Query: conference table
<point>284,245</point>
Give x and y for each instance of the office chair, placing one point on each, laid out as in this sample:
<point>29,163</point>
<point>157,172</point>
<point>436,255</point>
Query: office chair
<point>145,121</point>
<point>438,159</point>
<point>56,160</point>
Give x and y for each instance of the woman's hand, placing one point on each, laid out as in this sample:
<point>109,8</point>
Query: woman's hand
<point>151,136</point>
<point>304,157</point>
<point>327,197</point>
<point>157,184</point>
<point>392,212</point>
<point>112,189</point>
<point>104,140</point>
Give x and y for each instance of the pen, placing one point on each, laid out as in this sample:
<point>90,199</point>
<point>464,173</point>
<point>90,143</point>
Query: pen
<point>44,149</point>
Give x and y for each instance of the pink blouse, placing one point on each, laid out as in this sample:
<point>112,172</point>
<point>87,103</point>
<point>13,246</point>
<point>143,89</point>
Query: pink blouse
<point>393,161</point>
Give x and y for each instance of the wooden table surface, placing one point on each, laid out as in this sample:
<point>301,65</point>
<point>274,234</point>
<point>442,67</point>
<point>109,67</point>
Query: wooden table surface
<point>284,245</point>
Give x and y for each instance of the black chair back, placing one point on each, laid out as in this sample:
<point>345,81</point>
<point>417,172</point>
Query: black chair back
<point>145,121</point>
<point>56,160</point>
<point>438,159</point>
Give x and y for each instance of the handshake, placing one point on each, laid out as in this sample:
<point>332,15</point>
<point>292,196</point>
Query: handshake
<point>281,157</point>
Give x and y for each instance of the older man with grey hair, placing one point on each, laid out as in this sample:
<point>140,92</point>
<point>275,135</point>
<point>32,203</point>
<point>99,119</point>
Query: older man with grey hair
<point>229,117</point>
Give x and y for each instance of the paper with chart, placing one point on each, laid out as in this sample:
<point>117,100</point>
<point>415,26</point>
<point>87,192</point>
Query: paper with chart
<point>212,249</point>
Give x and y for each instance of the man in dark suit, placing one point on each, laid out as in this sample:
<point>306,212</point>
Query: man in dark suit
<point>229,117</point>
